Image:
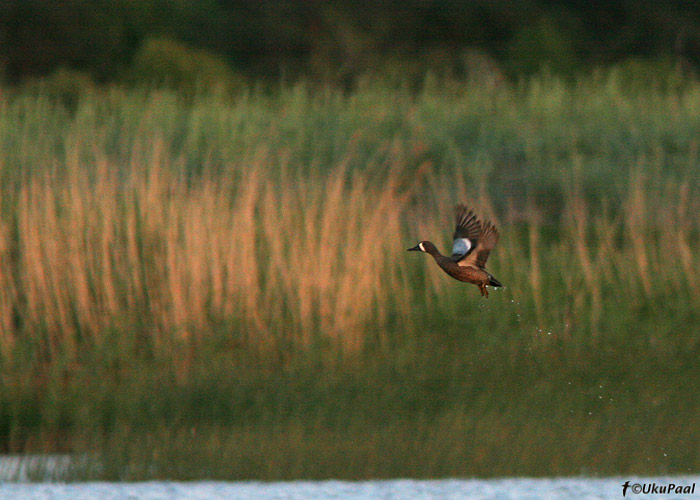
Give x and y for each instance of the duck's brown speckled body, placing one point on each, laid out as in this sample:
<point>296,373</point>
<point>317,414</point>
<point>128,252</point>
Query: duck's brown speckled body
<point>473,241</point>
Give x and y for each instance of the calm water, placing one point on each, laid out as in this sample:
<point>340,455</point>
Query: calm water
<point>16,471</point>
<point>403,489</point>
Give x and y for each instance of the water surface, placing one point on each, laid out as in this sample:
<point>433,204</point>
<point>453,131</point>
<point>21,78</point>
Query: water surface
<point>400,489</point>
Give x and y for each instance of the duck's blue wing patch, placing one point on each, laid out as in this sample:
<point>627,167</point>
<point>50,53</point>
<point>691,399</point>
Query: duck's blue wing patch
<point>460,248</point>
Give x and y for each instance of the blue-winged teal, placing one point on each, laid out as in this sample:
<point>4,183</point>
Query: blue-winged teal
<point>472,243</point>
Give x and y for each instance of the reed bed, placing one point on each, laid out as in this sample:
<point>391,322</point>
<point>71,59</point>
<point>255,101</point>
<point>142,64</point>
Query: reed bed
<point>311,260</point>
<point>247,257</point>
<point>306,262</point>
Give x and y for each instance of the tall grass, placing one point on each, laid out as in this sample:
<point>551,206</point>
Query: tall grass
<point>281,263</point>
<point>308,260</point>
<point>239,267</point>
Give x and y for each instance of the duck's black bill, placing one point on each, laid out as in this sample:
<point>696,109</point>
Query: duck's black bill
<point>415,248</point>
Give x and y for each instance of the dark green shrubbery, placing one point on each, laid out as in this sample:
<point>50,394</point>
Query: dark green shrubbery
<point>338,41</point>
<point>164,62</point>
<point>65,86</point>
<point>543,45</point>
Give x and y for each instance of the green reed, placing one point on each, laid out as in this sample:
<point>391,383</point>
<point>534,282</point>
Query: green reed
<point>218,286</point>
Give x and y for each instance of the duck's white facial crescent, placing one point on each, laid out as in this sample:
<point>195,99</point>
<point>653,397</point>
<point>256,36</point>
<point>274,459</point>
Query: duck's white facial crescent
<point>422,248</point>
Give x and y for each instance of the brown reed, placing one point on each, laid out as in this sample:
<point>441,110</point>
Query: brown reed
<point>317,258</point>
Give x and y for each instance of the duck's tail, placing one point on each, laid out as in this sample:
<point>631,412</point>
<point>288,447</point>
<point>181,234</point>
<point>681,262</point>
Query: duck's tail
<point>494,282</point>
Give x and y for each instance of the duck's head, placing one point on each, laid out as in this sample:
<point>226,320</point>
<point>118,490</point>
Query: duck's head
<point>424,246</point>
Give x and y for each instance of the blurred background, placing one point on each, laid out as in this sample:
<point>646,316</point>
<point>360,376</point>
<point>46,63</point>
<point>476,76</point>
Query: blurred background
<point>340,42</point>
<point>204,211</point>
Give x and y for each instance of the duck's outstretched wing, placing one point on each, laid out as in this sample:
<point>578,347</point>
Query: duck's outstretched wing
<point>486,241</point>
<point>467,232</point>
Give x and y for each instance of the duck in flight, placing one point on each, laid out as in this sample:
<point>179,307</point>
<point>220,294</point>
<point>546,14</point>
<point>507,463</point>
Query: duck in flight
<point>473,241</point>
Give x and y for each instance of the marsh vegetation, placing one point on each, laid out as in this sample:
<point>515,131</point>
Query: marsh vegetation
<point>216,285</point>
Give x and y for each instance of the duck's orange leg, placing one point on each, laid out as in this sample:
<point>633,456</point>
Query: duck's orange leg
<point>484,291</point>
